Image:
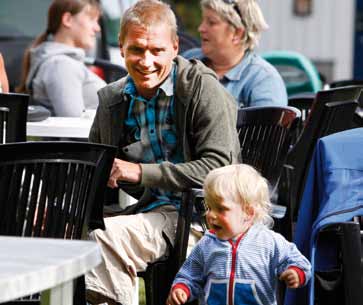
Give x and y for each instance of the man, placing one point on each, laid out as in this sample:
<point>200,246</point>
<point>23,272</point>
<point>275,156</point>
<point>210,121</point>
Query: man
<point>173,123</point>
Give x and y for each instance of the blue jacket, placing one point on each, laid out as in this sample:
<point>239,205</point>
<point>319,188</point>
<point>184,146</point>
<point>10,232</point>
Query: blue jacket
<point>253,82</point>
<point>333,193</point>
<point>245,270</point>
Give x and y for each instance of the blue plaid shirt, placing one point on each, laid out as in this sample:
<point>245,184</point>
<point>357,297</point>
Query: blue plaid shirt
<point>151,132</point>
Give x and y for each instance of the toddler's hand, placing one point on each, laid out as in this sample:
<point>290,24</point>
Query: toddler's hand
<point>291,278</point>
<point>176,297</point>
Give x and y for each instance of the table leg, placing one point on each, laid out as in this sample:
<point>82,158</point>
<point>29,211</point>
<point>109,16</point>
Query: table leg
<point>58,295</point>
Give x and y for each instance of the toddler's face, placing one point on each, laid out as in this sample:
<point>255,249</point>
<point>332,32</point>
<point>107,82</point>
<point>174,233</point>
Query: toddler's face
<point>227,219</point>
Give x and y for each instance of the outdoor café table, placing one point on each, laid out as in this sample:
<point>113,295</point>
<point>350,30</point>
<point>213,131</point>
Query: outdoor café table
<point>60,127</point>
<point>31,265</point>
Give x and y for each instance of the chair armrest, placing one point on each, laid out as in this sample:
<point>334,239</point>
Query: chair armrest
<point>189,200</point>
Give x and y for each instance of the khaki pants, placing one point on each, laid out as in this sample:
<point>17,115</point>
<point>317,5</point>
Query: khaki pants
<point>127,245</point>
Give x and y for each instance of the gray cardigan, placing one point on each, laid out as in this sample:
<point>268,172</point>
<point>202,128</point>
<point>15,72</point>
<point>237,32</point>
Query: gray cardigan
<point>206,117</point>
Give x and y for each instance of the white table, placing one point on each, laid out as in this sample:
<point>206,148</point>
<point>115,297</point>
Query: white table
<point>31,265</point>
<point>61,127</point>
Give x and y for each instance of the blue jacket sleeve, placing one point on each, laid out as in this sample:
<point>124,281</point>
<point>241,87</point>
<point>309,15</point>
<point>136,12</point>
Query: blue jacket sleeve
<point>191,273</point>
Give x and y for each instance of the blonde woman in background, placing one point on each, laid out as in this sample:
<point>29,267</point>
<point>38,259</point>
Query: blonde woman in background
<point>230,30</point>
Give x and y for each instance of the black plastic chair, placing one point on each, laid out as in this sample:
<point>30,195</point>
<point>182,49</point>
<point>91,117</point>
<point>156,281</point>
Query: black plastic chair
<point>303,102</point>
<point>358,117</point>
<point>159,275</point>
<point>13,115</point>
<point>343,283</point>
<point>53,189</point>
<point>345,83</point>
<point>332,111</point>
<point>265,135</point>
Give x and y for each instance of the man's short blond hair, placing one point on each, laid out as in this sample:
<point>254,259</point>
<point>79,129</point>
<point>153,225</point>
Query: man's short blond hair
<point>240,184</point>
<point>147,13</point>
<point>252,20</point>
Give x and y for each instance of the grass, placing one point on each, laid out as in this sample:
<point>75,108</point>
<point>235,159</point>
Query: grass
<point>142,297</point>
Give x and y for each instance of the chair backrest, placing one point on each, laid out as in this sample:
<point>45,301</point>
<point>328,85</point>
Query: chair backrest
<point>159,275</point>
<point>265,137</point>
<point>332,111</point>
<point>52,189</point>
<point>297,71</point>
<point>345,83</point>
<point>303,102</point>
<point>13,115</point>
<point>349,83</point>
<point>358,117</point>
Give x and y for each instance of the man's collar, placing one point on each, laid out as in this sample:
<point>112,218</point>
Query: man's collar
<point>167,86</point>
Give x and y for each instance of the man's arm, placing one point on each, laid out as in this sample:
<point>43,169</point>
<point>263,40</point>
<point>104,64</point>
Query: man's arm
<point>213,139</point>
<point>124,171</point>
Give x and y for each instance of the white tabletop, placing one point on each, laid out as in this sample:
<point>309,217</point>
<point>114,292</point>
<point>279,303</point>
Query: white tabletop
<point>61,127</point>
<point>31,265</point>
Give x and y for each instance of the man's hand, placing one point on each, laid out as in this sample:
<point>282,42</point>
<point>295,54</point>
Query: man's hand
<point>291,278</point>
<point>177,297</point>
<point>124,171</point>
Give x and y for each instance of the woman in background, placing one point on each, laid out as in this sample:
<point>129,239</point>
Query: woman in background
<point>230,31</point>
<point>54,71</point>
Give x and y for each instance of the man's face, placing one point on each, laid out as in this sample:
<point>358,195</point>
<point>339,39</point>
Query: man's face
<point>149,54</point>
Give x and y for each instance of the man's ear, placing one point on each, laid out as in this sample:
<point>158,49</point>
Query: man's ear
<point>120,46</point>
<point>121,49</point>
<point>176,46</point>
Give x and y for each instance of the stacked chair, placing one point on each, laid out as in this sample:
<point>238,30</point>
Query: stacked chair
<point>332,111</point>
<point>303,102</point>
<point>329,224</point>
<point>358,117</point>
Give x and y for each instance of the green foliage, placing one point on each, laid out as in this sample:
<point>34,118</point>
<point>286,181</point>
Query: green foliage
<point>190,15</point>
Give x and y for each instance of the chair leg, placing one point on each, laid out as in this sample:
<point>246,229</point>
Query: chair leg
<point>79,297</point>
<point>157,285</point>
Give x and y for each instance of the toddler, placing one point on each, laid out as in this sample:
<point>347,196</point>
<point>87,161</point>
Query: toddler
<point>239,260</point>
